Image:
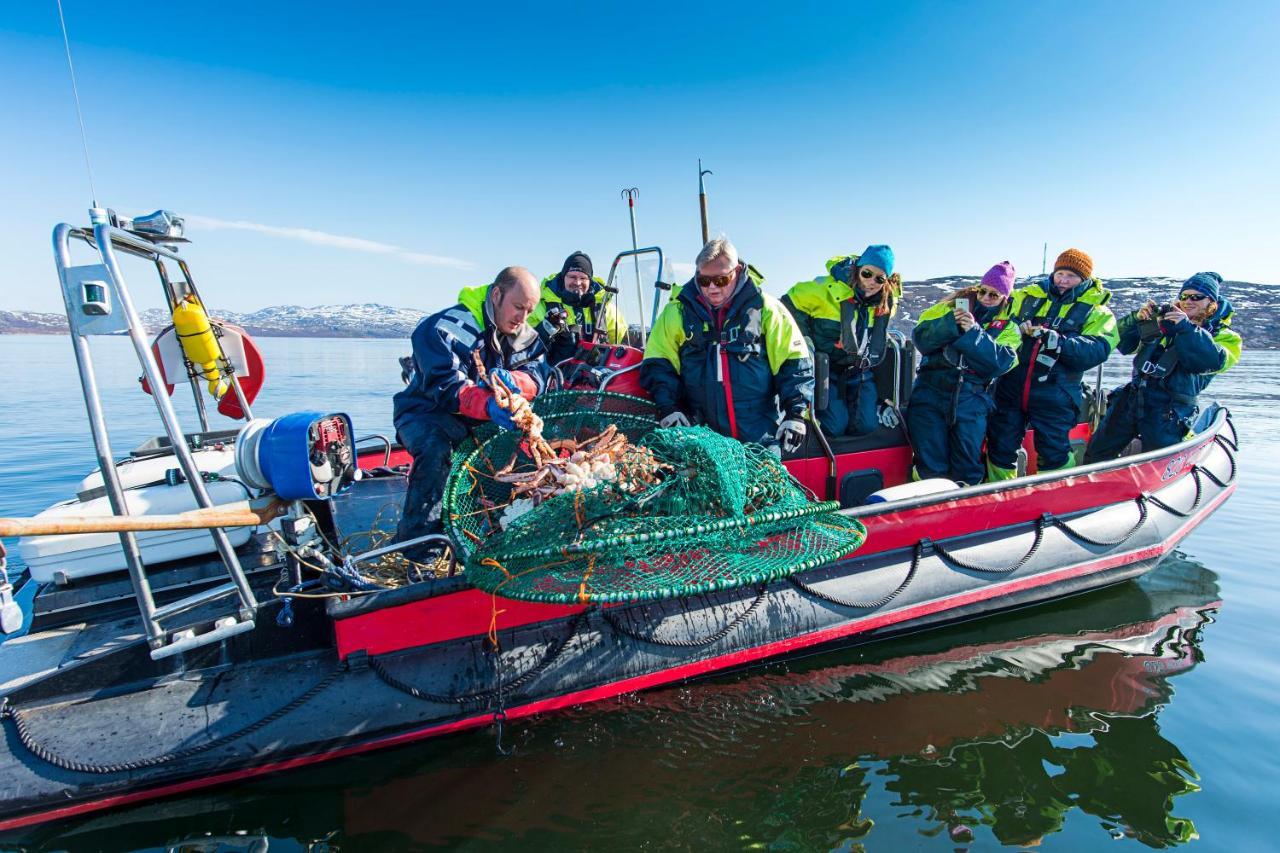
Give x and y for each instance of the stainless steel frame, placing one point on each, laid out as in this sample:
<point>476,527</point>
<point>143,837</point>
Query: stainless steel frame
<point>657,292</point>
<point>108,239</point>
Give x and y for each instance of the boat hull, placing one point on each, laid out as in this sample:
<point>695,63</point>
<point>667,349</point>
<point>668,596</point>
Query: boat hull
<point>419,662</point>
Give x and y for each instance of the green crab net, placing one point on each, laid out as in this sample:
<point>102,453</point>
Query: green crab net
<point>627,511</point>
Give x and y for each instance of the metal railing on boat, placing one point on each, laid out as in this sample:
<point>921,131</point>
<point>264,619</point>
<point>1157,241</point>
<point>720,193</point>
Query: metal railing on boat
<point>86,321</point>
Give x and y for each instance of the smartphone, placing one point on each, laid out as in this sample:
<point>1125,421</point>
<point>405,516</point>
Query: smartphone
<point>962,303</point>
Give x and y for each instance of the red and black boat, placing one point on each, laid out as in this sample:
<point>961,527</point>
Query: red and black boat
<point>122,709</point>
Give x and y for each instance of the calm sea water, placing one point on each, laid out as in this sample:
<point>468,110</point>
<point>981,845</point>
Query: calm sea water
<point>1140,716</point>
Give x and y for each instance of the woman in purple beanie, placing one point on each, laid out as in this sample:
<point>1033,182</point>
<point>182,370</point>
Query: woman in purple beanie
<point>966,342</point>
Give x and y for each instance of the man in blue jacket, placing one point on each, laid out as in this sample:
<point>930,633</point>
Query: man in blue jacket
<point>444,399</point>
<point>726,354</point>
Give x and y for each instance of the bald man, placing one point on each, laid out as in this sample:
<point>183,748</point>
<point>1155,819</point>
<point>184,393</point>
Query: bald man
<point>444,399</point>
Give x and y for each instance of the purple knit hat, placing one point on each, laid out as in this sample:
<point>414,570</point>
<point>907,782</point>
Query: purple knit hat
<point>1001,278</point>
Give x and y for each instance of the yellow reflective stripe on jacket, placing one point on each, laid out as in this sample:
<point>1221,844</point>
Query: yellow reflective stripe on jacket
<point>782,338</point>
<point>667,335</point>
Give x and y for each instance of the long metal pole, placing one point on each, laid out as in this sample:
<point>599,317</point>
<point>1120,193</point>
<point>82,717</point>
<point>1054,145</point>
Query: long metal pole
<point>630,195</point>
<point>702,201</point>
<point>103,235</point>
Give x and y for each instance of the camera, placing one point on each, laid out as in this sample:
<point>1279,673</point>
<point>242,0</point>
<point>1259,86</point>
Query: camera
<point>1165,308</point>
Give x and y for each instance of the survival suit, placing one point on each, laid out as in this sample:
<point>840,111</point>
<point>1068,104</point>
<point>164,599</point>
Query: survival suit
<point>1043,389</point>
<point>1171,366</point>
<point>953,394</point>
<point>853,333</point>
<point>730,368</point>
<point>442,400</point>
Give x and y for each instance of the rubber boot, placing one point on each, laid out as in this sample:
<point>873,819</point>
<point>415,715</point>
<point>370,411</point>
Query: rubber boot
<point>1071,463</point>
<point>995,473</point>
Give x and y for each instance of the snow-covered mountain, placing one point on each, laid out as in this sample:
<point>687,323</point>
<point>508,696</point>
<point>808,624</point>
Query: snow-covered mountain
<point>1257,312</point>
<point>367,320</point>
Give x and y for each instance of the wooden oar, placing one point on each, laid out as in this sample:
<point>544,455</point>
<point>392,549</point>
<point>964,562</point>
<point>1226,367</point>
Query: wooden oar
<point>240,514</point>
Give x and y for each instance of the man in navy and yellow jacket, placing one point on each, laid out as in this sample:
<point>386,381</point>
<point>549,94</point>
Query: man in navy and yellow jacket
<point>1066,329</point>
<point>846,315</point>
<point>445,399</point>
<point>574,308</point>
<point>1178,351</point>
<point>726,354</point>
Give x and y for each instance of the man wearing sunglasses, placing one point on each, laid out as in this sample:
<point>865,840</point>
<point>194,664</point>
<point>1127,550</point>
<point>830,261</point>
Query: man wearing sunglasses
<point>846,315</point>
<point>1178,350</point>
<point>1066,329</point>
<point>574,307</point>
<point>726,354</point>
<point>444,398</point>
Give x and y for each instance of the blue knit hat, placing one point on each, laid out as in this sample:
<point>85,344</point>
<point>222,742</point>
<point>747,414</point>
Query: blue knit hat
<point>1206,283</point>
<point>878,255</point>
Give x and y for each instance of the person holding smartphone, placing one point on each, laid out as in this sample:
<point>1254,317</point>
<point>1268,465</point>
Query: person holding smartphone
<point>1066,329</point>
<point>966,342</point>
<point>726,354</point>
<point>1178,349</point>
<point>845,315</point>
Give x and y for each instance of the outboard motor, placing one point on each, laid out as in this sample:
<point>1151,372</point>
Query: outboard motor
<point>302,456</point>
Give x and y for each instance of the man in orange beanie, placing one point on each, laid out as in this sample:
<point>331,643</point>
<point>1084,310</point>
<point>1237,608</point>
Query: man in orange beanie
<point>1066,329</point>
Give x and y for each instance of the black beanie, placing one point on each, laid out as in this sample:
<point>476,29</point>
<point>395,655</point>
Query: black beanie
<point>577,261</point>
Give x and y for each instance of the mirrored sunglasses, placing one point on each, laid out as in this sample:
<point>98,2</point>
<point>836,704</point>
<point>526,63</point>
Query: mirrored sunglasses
<point>706,282</point>
<point>868,275</point>
<point>988,293</point>
<point>1192,297</point>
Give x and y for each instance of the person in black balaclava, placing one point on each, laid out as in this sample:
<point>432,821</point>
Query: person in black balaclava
<point>572,307</point>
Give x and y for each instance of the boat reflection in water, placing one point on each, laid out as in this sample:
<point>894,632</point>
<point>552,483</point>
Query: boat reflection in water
<point>1006,727</point>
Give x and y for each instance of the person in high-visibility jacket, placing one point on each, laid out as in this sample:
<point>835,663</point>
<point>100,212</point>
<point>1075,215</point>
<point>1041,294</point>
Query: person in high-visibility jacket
<point>444,397</point>
<point>964,350</point>
<point>726,354</point>
<point>574,307</point>
<point>1178,352</point>
<point>846,315</point>
<point>1066,329</point>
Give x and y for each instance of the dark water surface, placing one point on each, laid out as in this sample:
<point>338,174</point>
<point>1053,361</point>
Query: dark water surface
<point>1142,715</point>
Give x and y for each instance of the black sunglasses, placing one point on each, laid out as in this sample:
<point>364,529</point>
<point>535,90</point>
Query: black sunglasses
<point>1192,297</point>
<point>868,275</point>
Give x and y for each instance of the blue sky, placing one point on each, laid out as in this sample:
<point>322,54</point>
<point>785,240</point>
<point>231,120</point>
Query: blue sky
<point>341,152</point>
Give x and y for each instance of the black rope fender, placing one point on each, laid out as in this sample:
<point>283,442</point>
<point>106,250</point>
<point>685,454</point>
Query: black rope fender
<point>1231,458</point>
<point>916,552</point>
<point>48,756</point>
<point>973,567</point>
<point>1140,500</point>
<point>614,622</point>
<point>553,652</point>
<point>1195,504</point>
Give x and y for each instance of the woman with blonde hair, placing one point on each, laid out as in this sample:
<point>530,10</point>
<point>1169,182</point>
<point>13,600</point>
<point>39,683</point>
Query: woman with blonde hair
<point>845,316</point>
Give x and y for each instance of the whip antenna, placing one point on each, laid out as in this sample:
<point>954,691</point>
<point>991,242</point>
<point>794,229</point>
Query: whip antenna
<point>75,91</point>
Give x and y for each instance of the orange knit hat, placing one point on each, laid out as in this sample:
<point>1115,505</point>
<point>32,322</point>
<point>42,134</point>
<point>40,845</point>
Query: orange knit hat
<point>1076,261</point>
